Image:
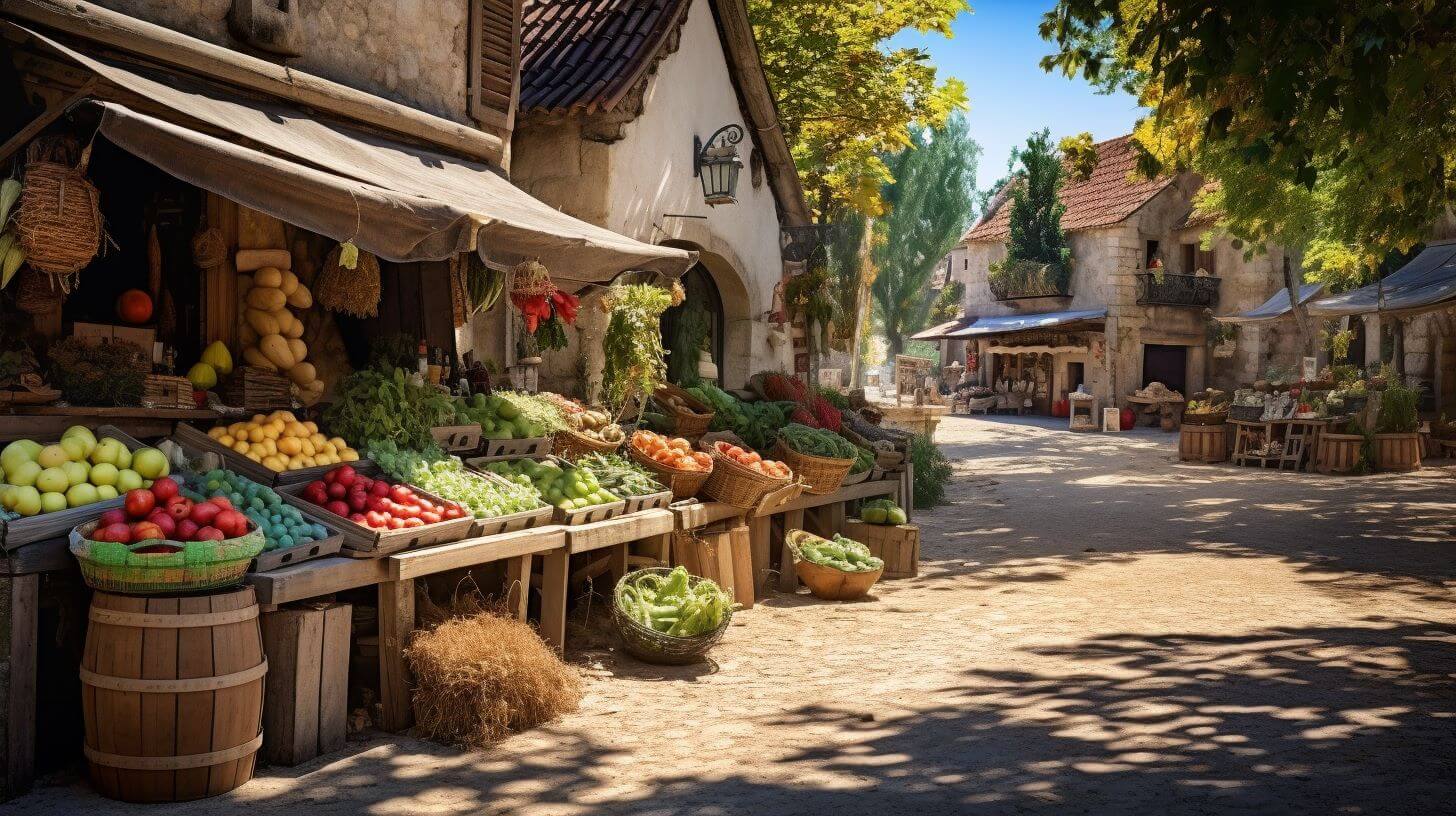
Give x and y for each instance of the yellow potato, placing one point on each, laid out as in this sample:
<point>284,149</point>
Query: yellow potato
<point>309,461</point>
<point>226,440</point>
<point>258,419</point>
<point>308,448</point>
<point>317,439</point>
<point>270,446</point>
<point>348,456</point>
<point>255,434</point>
<point>290,445</point>
<point>237,429</point>
<point>254,457</point>
<point>217,432</point>
<point>312,427</point>
<point>241,446</point>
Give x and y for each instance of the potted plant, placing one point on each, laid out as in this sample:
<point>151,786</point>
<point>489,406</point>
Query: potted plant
<point>1397,440</point>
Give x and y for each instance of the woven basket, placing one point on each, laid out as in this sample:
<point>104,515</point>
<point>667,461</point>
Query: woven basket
<point>570,445</point>
<point>59,218</point>
<point>190,567</point>
<point>689,424</point>
<point>652,646</point>
<point>828,583</point>
<point>531,279</point>
<point>37,293</point>
<point>821,475</point>
<point>684,484</point>
<point>736,485</point>
<point>349,291</point>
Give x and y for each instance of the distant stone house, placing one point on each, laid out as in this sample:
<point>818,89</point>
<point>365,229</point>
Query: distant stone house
<point>1117,325</point>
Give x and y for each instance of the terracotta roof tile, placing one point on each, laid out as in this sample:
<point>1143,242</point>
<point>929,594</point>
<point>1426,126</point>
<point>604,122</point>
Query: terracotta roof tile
<point>1106,197</point>
<point>584,55</point>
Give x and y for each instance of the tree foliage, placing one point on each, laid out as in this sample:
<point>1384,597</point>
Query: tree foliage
<point>845,97</point>
<point>929,207</point>
<point>1327,125</point>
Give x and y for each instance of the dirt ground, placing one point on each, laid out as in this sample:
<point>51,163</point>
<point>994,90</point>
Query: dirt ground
<point>1097,629</point>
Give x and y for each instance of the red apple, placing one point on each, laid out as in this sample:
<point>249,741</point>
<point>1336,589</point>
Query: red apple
<point>208,534</point>
<point>379,488</point>
<point>164,488</point>
<point>139,502</point>
<point>337,491</point>
<point>221,502</point>
<point>363,483</point>
<point>357,518</point>
<point>160,518</point>
<point>330,476</point>
<point>316,492</point>
<point>187,529</point>
<point>179,507</point>
<point>232,523</point>
<point>344,475</point>
<point>116,515</point>
<point>204,513</point>
<point>357,502</point>
<point>337,507</point>
<point>143,530</point>
<point>117,531</point>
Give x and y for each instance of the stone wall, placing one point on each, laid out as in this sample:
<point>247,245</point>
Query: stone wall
<point>410,51</point>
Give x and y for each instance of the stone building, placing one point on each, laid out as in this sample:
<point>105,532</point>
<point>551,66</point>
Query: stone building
<point>1118,323</point>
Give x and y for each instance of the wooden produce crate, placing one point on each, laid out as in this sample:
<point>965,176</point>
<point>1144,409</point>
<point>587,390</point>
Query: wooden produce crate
<point>164,391</point>
<point>587,515</point>
<point>649,501</point>
<point>306,707</point>
<point>775,500</point>
<point>361,541</point>
<point>723,556</point>
<point>257,390</point>
<point>30,529</point>
<point>898,545</point>
<point>297,554</point>
<point>457,438</point>
<point>533,448</point>
<point>193,439</point>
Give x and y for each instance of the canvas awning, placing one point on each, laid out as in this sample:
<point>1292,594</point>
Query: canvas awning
<point>1427,282</point>
<point>1006,324</point>
<point>398,201</point>
<point>1276,306</point>
<point>944,330</point>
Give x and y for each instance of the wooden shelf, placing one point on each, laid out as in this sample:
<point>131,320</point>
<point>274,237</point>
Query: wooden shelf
<point>108,412</point>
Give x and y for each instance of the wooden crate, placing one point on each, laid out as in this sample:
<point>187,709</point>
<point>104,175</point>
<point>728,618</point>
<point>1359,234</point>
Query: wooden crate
<point>299,553</point>
<point>1338,453</point>
<point>307,701</point>
<point>524,520</point>
<point>722,554</point>
<point>651,501</point>
<point>163,391</point>
<point>457,438</point>
<point>898,545</point>
<point>1203,443</point>
<point>257,390</point>
<point>366,542</point>
<point>535,447</point>
<point>30,529</point>
<point>1397,452</point>
<point>195,441</point>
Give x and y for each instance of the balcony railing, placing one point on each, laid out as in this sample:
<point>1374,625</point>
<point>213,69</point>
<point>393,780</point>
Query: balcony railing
<point>1028,279</point>
<point>1197,291</point>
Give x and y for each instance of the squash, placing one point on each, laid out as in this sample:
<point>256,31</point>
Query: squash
<point>289,283</point>
<point>249,259</point>
<point>275,348</point>
<point>301,298</point>
<point>297,348</point>
<point>247,335</point>
<point>269,276</point>
<point>262,322</point>
<point>257,359</point>
<point>294,330</point>
<point>302,374</point>
<point>267,298</point>
<point>285,320</point>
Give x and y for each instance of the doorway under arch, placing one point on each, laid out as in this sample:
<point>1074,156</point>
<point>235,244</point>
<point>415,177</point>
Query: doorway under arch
<point>697,323</point>
<point>717,280</point>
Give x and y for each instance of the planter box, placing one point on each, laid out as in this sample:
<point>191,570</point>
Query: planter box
<point>30,529</point>
<point>1397,453</point>
<point>367,542</point>
<point>898,545</point>
<point>1338,453</point>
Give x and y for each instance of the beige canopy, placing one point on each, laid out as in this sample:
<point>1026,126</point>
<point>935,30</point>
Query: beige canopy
<point>398,201</point>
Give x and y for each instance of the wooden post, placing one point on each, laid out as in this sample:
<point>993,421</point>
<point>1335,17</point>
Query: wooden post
<point>396,621</point>
<point>19,599</point>
<point>518,585</point>
<point>307,705</point>
<point>760,535</point>
<point>905,495</point>
<point>554,578</point>
<point>788,579</point>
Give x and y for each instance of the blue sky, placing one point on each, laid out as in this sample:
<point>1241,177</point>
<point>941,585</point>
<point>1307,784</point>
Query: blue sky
<point>995,52</point>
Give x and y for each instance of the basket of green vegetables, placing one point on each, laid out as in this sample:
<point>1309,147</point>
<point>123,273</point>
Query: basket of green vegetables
<point>820,458</point>
<point>623,477</point>
<point>669,617</point>
<point>837,569</point>
<point>863,467</point>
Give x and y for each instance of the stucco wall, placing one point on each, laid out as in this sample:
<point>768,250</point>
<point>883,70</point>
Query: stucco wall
<point>410,51</point>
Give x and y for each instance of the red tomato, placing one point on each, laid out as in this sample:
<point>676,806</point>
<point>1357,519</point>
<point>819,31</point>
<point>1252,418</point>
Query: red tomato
<point>139,502</point>
<point>143,530</point>
<point>408,511</point>
<point>380,488</point>
<point>357,518</point>
<point>204,513</point>
<point>363,483</point>
<point>117,531</point>
<point>186,530</point>
<point>376,519</point>
<point>400,493</point>
<point>413,522</point>
<point>179,507</point>
<point>221,502</point>
<point>395,523</point>
<point>110,517</point>
<point>164,488</point>
<point>377,504</point>
<point>430,518</point>
<point>209,534</point>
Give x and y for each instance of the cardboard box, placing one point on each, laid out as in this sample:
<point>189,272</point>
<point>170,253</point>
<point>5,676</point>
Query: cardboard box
<point>103,333</point>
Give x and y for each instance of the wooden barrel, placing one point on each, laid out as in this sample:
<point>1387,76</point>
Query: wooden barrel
<point>172,694</point>
<point>1203,443</point>
<point>1398,452</point>
<point>1338,453</point>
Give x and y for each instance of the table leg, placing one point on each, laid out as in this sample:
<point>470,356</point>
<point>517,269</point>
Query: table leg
<point>554,577</point>
<point>617,567</point>
<point>22,603</point>
<point>518,585</point>
<point>760,535</point>
<point>905,497</point>
<point>788,579</point>
<point>396,621</point>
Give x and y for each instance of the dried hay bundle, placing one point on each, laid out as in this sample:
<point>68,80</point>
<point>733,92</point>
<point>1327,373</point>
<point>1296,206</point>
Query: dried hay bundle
<point>351,291</point>
<point>483,676</point>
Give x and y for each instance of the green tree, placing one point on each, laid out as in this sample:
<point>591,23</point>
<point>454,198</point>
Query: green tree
<point>845,97</point>
<point>929,207</point>
<point>1037,257</point>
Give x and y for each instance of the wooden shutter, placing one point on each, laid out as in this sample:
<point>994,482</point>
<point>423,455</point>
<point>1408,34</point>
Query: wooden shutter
<point>495,62</point>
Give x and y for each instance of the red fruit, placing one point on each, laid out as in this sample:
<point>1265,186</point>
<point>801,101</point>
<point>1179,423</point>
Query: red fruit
<point>221,502</point>
<point>357,518</point>
<point>232,523</point>
<point>413,522</point>
<point>316,492</point>
<point>179,507</point>
<point>408,511</point>
<point>337,491</point>
<point>344,475</point>
<point>162,519</point>
<point>117,531</point>
<point>143,530</point>
<point>337,507</point>
<point>379,488</point>
<point>376,504</point>
<point>139,502</point>
<point>187,529</point>
<point>110,517</point>
<point>208,534</point>
<point>358,502</point>
<point>330,476</point>
<point>394,523</point>
<point>204,513</point>
<point>134,306</point>
<point>430,518</point>
<point>363,483</point>
<point>374,518</point>
<point>165,488</point>
<point>400,493</point>
<point>454,511</point>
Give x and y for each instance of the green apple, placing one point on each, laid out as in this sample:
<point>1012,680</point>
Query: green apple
<point>27,501</point>
<point>76,472</point>
<point>127,480</point>
<point>82,494</point>
<point>52,502</point>
<point>24,473</point>
<point>78,447</point>
<point>81,431</point>
<point>52,480</point>
<point>106,492</point>
<point>21,450</point>
<point>123,459</point>
<point>104,474</point>
<point>9,495</point>
<point>147,483</point>
<point>52,456</point>
<point>150,463</point>
<point>108,452</point>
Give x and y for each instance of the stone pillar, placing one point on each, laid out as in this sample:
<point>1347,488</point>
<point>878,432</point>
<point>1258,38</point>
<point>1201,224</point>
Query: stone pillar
<point>1197,369</point>
<point>1373,339</point>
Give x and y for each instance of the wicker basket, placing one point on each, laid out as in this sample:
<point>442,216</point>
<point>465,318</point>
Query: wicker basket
<point>736,485</point>
<point>1217,418</point>
<point>684,484</point>
<point>570,445</point>
<point>652,646</point>
<point>828,583</point>
<point>189,567</point>
<point>58,221</point>
<point>37,293</point>
<point>691,424</point>
<point>257,390</point>
<point>821,475</point>
<point>1244,413</point>
<point>165,391</point>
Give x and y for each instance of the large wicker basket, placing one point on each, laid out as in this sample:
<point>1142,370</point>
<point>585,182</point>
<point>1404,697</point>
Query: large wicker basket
<point>820,475</point>
<point>691,424</point>
<point>828,583</point>
<point>1245,413</point>
<point>732,483</point>
<point>570,445</point>
<point>186,567</point>
<point>58,221</point>
<point>655,647</point>
<point>684,484</point>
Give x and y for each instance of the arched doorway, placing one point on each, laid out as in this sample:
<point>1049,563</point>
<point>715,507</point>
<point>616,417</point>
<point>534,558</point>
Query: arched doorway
<point>699,322</point>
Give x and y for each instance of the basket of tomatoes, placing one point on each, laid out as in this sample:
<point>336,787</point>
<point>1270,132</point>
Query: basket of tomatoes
<point>673,460</point>
<point>742,477</point>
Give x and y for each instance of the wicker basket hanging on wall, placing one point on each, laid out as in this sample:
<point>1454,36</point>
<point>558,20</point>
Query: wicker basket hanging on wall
<point>59,218</point>
<point>351,291</point>
<point>531,279</point>
<point>37,293</point>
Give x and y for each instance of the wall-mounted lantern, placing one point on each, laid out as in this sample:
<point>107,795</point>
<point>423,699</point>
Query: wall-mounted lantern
<point>716,164</point>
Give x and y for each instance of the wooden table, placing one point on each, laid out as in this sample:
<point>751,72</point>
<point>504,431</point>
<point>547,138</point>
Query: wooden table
<point>1298,439</point>
<point>49,421</point>
<point>394,575</point>
<point>1170,411</point>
